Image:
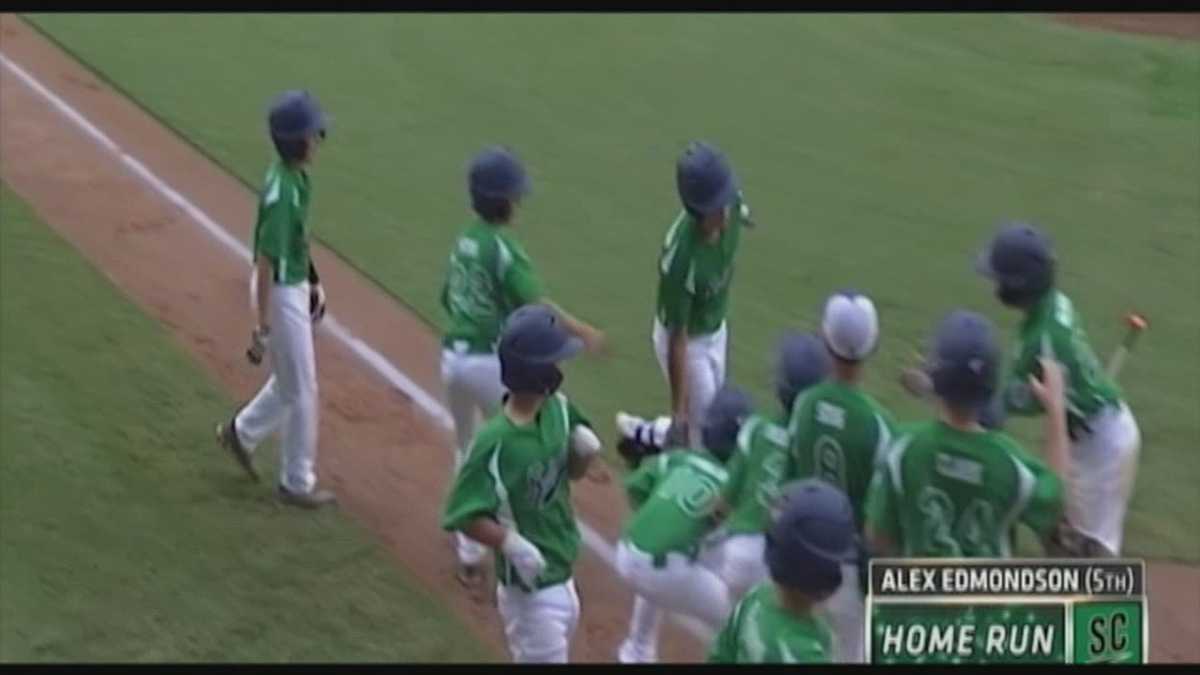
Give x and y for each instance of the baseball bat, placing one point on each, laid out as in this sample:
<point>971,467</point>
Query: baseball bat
<point>1135,324</point>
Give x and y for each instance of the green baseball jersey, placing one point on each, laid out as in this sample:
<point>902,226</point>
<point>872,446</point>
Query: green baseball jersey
<point>1054,328</point>
<point>517,475</point>
<point>839,434</point>
<point>673,496</point>
<point>948,493</point>
<point>281,231</point>
<point>760,630</point>
<point>756,471</point>
<point>489,276</point>
<point>694,275</point>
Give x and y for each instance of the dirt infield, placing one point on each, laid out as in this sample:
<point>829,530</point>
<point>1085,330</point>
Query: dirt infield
<point>385,459</point>
<point>1184,26</point>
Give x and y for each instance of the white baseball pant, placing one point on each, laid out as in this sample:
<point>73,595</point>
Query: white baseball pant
<point>742,564</point>
<point>705,371</point>
<point>473,391</point>
<point>690,587</point>
<point>288,400</point>
<point>1103,469</point>
<point>845,610</point>
<point>539,625</point>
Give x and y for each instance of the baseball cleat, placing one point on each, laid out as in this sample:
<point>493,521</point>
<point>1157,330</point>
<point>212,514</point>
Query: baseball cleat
<point>314,499</point>
<point>628,425</point>
<point>227,438</point>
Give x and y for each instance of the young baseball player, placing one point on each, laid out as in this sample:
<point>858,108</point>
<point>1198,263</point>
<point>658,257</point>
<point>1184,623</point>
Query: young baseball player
<point>287,298</point>
<point>810,539</point>
<point>695,271</point>
<point>758,469</point>
<point>1105,439</point>
<point>839,433</point>
<point>488,277</point>
<point>513,492</point>
<point>662,554</point>
<point>950,487</point>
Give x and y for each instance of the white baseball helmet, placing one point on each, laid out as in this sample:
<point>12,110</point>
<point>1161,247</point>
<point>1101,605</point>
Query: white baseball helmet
<point>850,325</point>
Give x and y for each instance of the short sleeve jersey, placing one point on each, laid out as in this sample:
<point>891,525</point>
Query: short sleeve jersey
<point>694,276</point>
<point>517,475</point>
<point>839,434</point>
<point>756,471</point>
<point>760,630</point>
<point>673,496</point>
<point>281,232</point>
<point>1053,328</point>
<point>489,275</point>
<point>949,493</point>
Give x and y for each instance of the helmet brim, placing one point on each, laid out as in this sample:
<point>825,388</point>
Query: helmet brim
<point>569,349</point>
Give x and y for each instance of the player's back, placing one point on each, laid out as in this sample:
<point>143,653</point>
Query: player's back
<point>959,493</point>
<point>755,474</point>
<point>473,295</point>
<point>839,434</point>
<point>673,494</point>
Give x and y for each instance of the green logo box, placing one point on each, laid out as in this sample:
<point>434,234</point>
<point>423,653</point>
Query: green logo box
<point>1108,632</point>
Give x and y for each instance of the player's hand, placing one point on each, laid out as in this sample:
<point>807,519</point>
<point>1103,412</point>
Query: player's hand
<point>258,344</point>
<point>316,302</point>
<point>1049,389</point>
<point>524,556</point>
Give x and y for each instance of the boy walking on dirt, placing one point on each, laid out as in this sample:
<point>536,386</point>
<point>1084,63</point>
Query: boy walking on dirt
<point>513,491</point>
<point>488,276</point>
<point>288,299</point>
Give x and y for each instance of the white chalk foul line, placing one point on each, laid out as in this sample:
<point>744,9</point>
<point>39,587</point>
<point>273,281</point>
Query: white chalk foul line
<point>367,354</point>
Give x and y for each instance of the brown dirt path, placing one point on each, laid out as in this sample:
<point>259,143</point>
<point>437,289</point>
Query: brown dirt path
<point>1179,25</point>
<point>386,461</point>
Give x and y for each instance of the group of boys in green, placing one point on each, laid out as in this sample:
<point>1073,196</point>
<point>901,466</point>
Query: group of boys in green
<point>763,528</point>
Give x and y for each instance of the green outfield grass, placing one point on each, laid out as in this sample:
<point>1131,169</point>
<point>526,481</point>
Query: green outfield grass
<point>877,152</point>
<point>125,535</point>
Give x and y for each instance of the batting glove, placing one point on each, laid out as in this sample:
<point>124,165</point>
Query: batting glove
<point>524,556</point>
<point>316,302</point>
<point>258,344</point>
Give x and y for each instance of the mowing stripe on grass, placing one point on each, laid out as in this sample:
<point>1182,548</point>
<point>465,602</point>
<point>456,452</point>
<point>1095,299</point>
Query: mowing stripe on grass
<point>367,354</point>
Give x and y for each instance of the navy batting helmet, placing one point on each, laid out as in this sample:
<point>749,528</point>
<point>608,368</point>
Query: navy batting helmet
<point>723,419</point>
<point>965,360</point>
<point>801,362</point>
<point>294,117</point>
<point>533,342</point>
<point>704,178</point>
<point>812,534</point>
<point>1020,259</point>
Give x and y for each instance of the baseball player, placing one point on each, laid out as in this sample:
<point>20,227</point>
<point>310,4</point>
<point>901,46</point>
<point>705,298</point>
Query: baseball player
<point>950,487</point>
<point>489,275</point>
<point>513,492</point>
<point>1104,435</point>
<point>695,271</point>
<point>840,434</point>
<point>287,298</point>
<point>758,469</point>
<point>809,541</point>
<point>662,554</point>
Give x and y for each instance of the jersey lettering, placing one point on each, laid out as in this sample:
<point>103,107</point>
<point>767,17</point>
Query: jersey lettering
<point>831,415</point>
<point>953,535</point>
<point>830,461</point>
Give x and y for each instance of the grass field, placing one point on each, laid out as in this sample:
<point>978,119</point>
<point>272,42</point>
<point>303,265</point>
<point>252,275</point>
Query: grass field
<point>125,535</point>
<point>878,151</point>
